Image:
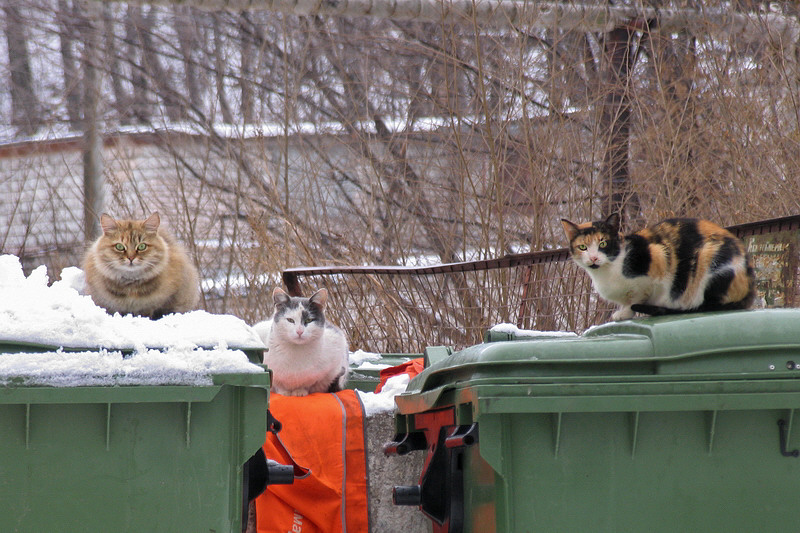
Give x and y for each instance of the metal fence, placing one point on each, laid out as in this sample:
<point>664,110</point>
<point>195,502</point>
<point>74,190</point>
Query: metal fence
<point>403,309</point>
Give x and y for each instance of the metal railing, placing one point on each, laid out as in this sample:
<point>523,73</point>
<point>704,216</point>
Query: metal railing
<point>390,309</point>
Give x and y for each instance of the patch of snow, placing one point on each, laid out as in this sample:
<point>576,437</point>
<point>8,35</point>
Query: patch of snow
<point>358,357</point>
<point>367,365</point>
<point>383,401</point>
<point>174,366</point>
<point>514,330</point>
<point>61,316</point>
<point>179,348</point>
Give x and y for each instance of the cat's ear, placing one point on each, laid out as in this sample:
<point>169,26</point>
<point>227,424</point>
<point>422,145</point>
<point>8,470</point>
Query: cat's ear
<point>570,228</point>
<point>279,297</point>
<point>613,221</point>
<point>152,222</point>
<point>320,297</point>
<point>107,223</point>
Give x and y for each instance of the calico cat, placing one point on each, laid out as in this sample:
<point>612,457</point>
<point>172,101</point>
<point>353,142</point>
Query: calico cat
<point>137,268</point>
<point>305,352</point>
<point>678,265</point>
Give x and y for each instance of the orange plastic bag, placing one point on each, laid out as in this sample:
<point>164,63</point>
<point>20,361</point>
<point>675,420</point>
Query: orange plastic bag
<point>412,368</point>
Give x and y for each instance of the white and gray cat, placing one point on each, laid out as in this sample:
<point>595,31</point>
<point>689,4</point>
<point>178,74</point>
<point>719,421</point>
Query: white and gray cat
<point>306,353</point>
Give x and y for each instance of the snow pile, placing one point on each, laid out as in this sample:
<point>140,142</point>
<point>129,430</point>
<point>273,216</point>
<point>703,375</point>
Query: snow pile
<point>191,346</point>
<point>174,366</point>
<point>383,401</point>
<point>178,349</point>
<point>59,315</point>
<point>362,360</point>
<point>517,332</point>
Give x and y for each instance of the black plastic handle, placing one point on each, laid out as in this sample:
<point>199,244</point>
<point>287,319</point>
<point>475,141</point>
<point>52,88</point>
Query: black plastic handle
<point>404,443</point>
<point>278,474</point>
<point>407,495</point>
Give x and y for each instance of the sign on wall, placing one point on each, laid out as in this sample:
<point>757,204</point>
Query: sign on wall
<point>775,257</point>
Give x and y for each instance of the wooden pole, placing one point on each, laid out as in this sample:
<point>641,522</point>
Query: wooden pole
<point>94,200</point>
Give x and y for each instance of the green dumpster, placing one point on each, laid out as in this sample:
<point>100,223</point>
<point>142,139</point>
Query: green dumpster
<point>676,424</point>
<point>154,458</point>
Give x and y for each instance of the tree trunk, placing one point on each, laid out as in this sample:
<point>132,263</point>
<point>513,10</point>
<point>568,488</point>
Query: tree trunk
<point>246,75</point>
<point>140,106</point>
<point>219,71</point>
<point>72,84</point>
<point>159,76</point>
<point>24,104</point>
<point>184,23</point>
<point>122,100</point>
<point>93,142</point>
<point>616,122</point>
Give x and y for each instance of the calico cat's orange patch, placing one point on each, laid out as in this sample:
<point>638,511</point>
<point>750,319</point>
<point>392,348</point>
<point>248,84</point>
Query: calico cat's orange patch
<point>710,230</point>
<point>659,265</point>
<point>740,288</point>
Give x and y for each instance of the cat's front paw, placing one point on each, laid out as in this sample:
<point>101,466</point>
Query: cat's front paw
<point>623,313</point>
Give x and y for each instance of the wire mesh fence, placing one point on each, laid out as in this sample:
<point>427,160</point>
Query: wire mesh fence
<point>404,309</point>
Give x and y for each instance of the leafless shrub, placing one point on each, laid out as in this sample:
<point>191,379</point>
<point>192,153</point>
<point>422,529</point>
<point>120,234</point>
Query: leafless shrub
<point>272,140</point>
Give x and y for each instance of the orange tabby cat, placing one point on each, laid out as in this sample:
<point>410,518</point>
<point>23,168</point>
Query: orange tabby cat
<point>137,268</point>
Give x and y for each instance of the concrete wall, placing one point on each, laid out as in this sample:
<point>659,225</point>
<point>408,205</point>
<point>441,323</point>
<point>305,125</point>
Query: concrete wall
<point>386,472</point>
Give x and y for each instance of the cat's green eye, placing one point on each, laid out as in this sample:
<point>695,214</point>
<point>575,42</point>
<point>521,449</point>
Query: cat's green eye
<point>308,321</point>
<point>142,247</point>
<point>603,243</point>
<point>582,247</point>
<point>120,247</point>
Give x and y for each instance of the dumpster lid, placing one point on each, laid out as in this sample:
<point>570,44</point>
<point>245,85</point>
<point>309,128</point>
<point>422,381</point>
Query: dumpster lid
<point>723,345</point>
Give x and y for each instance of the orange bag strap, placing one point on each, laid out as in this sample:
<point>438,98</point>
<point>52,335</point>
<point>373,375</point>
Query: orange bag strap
<point>354,449</point>
<point>280,453</point>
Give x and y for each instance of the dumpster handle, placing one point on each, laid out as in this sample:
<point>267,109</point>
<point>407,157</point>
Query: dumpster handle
<point>404,443</point>
<point>462,436</point>
<point>783,440</point>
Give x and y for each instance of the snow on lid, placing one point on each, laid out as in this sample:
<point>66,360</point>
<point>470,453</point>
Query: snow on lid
<point>514,330</point>
<point>383,401</point>
<point>174,366</point>
<point>189,348</point>
<point>360,357</point>
<point>368,365</point>
<point>59,315</point>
